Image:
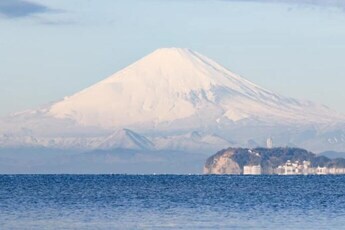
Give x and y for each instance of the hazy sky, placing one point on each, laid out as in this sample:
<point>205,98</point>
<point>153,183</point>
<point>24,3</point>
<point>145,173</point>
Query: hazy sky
<point>53,48</point>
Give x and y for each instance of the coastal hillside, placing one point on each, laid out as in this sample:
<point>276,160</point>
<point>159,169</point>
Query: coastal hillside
<point>271,161</point>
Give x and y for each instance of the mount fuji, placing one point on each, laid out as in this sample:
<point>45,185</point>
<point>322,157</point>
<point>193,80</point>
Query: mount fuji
<point>171,85</point>
<point>174,100</point>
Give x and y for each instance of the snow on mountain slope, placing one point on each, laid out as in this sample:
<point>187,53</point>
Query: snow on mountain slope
<point>171,84</point>
<point>192,142</point>
<point>126,139</point>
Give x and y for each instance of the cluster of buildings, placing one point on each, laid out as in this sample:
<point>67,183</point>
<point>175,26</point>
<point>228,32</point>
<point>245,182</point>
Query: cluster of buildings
<point>293,168</point>
<point>304,168</point>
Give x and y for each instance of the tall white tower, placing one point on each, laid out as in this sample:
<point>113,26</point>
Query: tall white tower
<point>269,143</point>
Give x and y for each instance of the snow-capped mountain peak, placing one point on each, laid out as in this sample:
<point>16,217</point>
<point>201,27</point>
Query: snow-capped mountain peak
<point>172,84</point>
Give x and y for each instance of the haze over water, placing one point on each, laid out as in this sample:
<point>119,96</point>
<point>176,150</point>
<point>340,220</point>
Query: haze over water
<point>170,202</point>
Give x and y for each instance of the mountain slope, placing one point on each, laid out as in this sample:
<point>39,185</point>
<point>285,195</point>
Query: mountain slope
<point>126,139</point>
<point>174,84</point>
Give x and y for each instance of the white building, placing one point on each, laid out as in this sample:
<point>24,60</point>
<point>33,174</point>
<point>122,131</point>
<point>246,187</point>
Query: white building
<point>269,143</point>
<point>306,168</point>
<point>333,171</point>
<point>321,170</point>
<point>288,168</point>
<point>252,170</point>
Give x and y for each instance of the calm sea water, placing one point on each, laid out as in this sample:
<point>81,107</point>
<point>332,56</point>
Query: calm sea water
<point>170,202</point>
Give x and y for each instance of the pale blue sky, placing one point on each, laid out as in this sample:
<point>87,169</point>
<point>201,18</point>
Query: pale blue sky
<point>50,49</point>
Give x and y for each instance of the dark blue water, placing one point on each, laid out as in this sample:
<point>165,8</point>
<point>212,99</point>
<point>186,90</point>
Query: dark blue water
<point>160,202</point>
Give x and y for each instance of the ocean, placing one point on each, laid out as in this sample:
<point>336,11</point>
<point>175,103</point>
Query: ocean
<point>171,202</point>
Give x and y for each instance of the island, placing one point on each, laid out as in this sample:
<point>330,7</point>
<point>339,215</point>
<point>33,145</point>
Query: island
<point>280,161</point>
